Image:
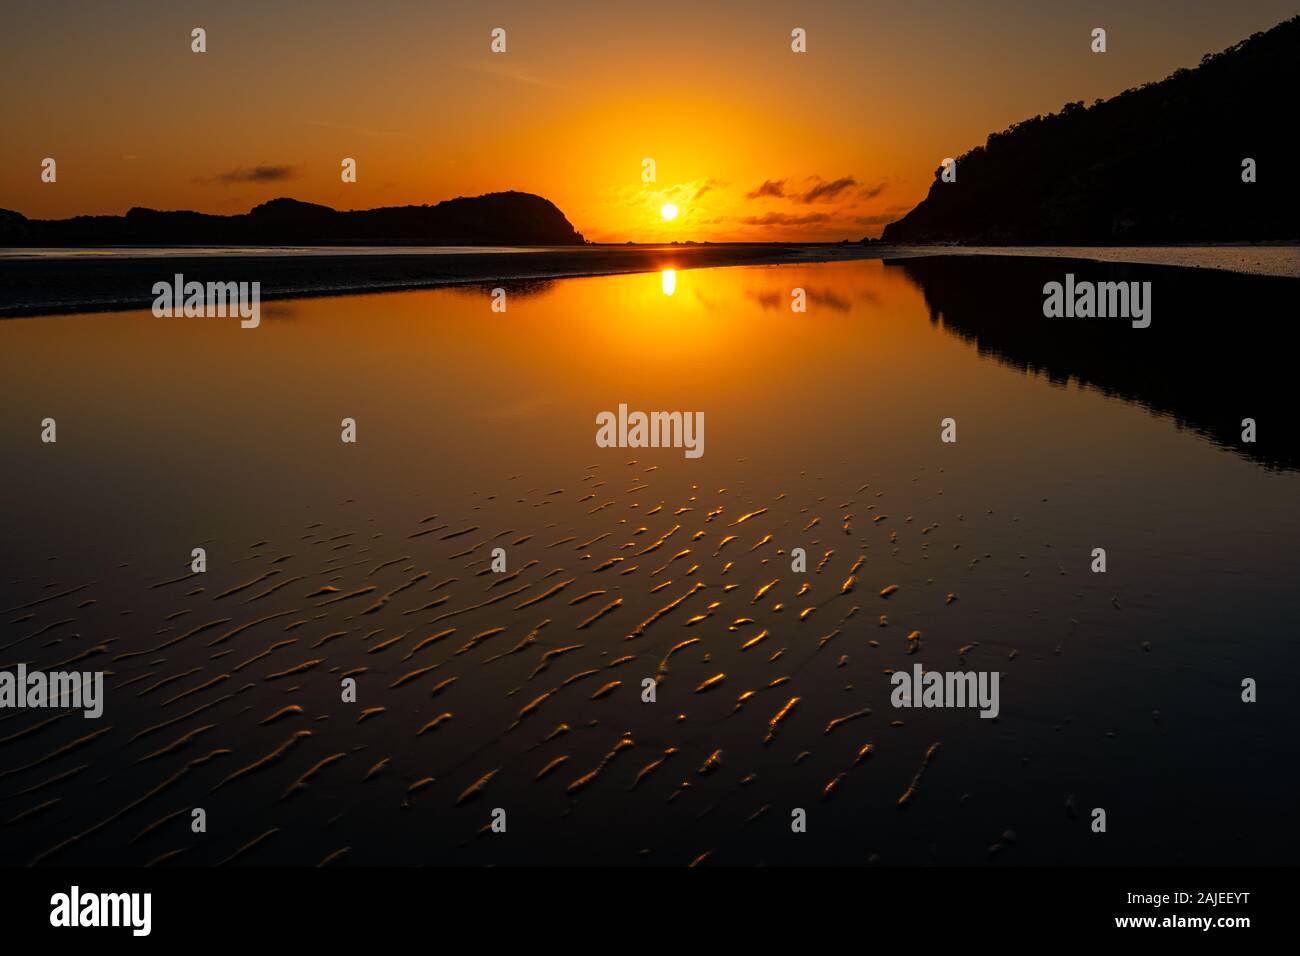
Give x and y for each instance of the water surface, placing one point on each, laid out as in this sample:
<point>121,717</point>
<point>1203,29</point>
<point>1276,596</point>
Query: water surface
<point>476,431</point>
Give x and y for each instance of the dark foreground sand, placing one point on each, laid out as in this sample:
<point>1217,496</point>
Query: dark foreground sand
<point>61,285</point>
<point>521,689</point>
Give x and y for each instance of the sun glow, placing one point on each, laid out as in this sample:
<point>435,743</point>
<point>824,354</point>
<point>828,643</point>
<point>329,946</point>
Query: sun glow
<point>669,212</point>
<point>669,280</point>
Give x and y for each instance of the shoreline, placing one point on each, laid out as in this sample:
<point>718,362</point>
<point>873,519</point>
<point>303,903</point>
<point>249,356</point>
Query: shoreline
<point>72,284</point>
<point>62,286</point>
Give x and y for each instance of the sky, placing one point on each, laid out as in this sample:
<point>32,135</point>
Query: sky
<point>750,140</point>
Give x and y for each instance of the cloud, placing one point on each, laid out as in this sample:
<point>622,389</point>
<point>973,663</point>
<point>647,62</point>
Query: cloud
<point>708,185</point>
<point>650,197</point>
<point>257,174</point>
<point>881,218</point>
<point>828,191</point>
<point>770,187</point>
<point>784,219</point>
<point>516,71</point>
<point>817,190</point>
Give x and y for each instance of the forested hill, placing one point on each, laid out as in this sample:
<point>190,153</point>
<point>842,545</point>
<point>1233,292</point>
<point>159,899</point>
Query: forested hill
<point>1161,163</point>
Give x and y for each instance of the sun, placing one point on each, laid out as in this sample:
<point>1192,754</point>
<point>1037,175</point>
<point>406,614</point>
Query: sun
<point>669,212</point>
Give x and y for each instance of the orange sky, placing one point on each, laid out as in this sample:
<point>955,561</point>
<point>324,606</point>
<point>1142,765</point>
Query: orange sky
<point>846,135</point>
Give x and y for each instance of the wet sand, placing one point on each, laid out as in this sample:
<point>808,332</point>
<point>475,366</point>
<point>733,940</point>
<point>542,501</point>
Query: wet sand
<point>98,284</point>
<point>522,690</point>
<point>1280,259</point>
<point>54,284</point>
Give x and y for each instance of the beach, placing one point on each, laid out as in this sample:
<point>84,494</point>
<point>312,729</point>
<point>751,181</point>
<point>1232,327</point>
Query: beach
<point>511,688</point>
<point>47,282</point>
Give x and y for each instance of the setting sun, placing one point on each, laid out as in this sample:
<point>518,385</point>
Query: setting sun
<point>669,212</point>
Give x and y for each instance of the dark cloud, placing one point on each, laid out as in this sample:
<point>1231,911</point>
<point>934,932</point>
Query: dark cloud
<point>828,191</point>
<point>257,174</point>
<point>819,190</point>
<point>784,219</point>
<point>771,187</point>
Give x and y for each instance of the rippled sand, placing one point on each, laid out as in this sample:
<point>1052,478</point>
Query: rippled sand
<point>243,671</point>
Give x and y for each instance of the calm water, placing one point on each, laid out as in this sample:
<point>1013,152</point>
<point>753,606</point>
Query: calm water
<point>476,430</point>
<point>1276,260</point>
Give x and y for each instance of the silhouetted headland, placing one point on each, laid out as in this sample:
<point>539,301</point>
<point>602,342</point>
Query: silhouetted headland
<point>1159,164</point>
<point>507,218</point>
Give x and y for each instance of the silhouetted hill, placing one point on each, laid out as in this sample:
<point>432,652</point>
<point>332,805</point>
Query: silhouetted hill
<point>509,218</point>
<point>1162,163</point>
